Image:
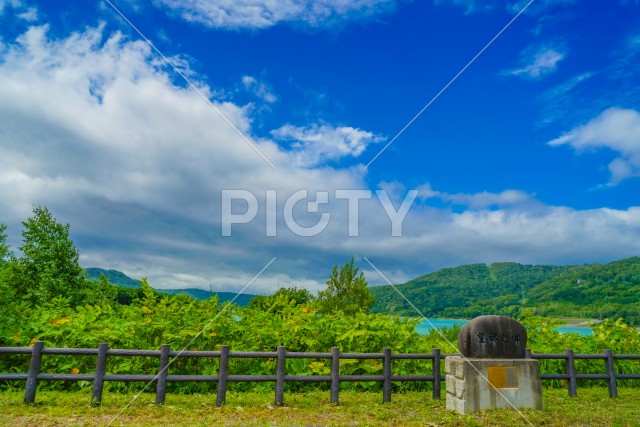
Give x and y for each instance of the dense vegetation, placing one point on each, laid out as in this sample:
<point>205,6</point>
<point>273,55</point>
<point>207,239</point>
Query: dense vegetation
<point>86,313</point>
<point>591,291</point>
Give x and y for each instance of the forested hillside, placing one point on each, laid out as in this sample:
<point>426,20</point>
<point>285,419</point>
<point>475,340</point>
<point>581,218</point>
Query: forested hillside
<point>598,291</point>
<point>610,290</point>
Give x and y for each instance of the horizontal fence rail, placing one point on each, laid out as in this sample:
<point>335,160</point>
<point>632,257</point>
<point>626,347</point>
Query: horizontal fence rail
<point>33,376</point>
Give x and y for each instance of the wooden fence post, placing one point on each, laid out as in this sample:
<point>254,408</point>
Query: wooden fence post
<point>613,387</point>
<point>34,370</point>
<point>280,375</point>
<point>98,381</point>
<point>527,353</point>
<point>223,371</point>
<point>335,374</point>
<point>161,385</point>
<point>386,373</point>
<point>571,370</point>
<point>436,373</point>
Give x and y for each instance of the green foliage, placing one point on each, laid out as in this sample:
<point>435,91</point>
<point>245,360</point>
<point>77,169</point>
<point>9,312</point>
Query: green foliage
<point>153,319</point>
<point>613,335</point>
<point>49,265</point>
<point>100,292</point>
<point>281,300</point>
<point>346,292</point>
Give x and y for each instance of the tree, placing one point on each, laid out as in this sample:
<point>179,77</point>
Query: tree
<point>6,292</point>
<point>4,247</point>
<point>101,291</point>
<point>346,291</point>
<point>49,265</point>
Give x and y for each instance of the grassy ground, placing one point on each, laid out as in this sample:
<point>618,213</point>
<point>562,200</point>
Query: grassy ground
<point>592,407</point>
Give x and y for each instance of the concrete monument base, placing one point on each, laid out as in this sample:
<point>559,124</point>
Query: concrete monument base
<point>479,384</point>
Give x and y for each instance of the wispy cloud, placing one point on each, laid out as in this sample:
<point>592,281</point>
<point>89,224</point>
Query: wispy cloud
<point>470,6</point>
<point>475,6</point>
<point>258,14</point>
<point>259,89</point>
<point>616,129</point>
<point>539,63</point>
<point>320,143</point>
<point>29,15</point>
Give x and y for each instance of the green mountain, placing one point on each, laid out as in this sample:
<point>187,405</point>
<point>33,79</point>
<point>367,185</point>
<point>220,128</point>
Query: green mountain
<point>467,291</point>
<point>610,290</point>
<point>114,276</point>
<point>598,291</point>
<point>120,279</point>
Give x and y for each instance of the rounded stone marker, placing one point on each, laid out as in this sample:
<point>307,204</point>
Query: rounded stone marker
<point>493,337</point>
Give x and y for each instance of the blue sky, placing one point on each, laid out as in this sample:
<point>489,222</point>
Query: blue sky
<point>531,154</point>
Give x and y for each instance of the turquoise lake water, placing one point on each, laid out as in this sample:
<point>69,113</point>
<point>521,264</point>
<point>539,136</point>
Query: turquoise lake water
<point>427,324</point>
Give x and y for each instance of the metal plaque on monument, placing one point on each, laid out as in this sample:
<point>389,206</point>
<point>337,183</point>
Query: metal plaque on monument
<point>492,371</point>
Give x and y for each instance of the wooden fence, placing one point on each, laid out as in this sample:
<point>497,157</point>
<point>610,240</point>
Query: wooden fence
<point>33,376</point>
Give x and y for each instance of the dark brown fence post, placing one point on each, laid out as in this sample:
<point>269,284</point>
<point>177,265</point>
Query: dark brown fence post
<point>571,370</point>
<point>335,374</point>
<point>223,371</point>
<point>613,386</point>
<point>101,368</point>
<point>527,353</point>
<point>161,385</point>
<point>34,370</point>
<point>280,375</point>
<point>386,373</point>
<point>435,364</point>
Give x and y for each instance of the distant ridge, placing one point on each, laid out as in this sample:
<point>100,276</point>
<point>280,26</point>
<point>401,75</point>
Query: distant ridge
<point>120,279</point>
<point>201,294</point>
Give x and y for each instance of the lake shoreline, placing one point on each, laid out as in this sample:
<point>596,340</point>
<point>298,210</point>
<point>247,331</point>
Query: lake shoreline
<point>568,325</point>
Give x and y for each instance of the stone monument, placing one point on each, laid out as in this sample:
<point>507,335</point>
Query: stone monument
<point>492,371</point>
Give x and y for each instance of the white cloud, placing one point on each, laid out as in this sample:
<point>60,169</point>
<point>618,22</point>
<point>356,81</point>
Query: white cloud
<point>319,143</point>
<point>257,14</point>
<point>29,15</point>
<point>615,128</point>
<point>542,62</point>
<point>538,6</point>
<point>481,200</point>
<point>470,6</point>
<point>486,199</point>
<point>259,89</point>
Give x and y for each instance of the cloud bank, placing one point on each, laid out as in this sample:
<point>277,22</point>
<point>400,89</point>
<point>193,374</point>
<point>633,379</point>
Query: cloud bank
<point>93,126</point>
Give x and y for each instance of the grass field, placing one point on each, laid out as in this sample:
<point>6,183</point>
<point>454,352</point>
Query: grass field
<point>592,407</point>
